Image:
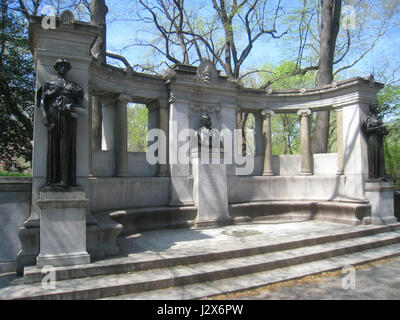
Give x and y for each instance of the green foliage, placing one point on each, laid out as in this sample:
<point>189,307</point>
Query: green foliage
<point>14,174</point>
<point>278,76</point>
<point>17,87</point>
<point>286,127</point>
<point>389,102</point>
<point>137,128</point>
<point>389,109</point>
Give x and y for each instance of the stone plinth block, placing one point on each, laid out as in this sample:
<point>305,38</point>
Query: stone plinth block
<point>210,190</point>
<point>63,228</point>
<point>380,196</point>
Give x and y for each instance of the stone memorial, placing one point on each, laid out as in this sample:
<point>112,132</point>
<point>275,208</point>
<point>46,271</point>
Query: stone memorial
<point>87,190</point>
<point>210,180</point>
<point>62,202</point>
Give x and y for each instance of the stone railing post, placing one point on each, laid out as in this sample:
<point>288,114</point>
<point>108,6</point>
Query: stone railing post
<point>305,142</point>
<point>267,114</point>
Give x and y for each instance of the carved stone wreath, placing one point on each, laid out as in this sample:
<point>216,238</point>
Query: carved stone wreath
<point>206,72</point>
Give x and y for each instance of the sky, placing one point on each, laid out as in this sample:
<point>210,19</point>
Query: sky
<point>383,61</point>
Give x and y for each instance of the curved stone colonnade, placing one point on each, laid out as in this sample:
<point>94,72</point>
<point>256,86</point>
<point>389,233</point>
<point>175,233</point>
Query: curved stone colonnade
<point>142,196</point>
<point>318,177</point>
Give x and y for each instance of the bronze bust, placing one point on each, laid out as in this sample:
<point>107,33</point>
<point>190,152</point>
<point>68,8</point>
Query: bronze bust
<point>207,137</point>
<point>61,103</point>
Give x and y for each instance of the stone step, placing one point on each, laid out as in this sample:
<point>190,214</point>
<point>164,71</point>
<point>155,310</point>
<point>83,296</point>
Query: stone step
<point>172,258</point>
<point>129,283</point>
<point>261,279</point>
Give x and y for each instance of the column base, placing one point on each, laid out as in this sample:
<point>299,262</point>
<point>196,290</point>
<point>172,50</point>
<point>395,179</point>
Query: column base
<point>181,204</point>
<point>268,173</point>
<point>305,174</point>
<point>213,223</point>
<point>63,260</point>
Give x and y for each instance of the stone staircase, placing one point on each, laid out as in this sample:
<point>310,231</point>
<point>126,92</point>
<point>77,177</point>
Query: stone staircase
<point>191,264</point>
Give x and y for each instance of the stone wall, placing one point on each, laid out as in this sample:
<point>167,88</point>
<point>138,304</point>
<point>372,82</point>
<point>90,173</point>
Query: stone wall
<point>103,164</point>
<point>15,200</point>
<point>110,193</point>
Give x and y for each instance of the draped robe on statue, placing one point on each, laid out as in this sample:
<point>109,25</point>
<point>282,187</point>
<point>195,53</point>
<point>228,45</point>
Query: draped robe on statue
<point>375,131</point>
<point>58,100</point>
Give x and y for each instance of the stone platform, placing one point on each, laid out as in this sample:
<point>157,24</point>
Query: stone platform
<point>165,264</point>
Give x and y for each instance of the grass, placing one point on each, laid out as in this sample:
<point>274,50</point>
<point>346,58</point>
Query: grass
<point>14,174</point>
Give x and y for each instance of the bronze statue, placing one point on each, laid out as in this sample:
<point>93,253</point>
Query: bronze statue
<point>61,103</point>
<point>207,137</point>
<point>375,131</point>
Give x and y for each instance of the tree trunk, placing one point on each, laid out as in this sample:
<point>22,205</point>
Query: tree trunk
<point>240,124</point>
<point>330,19</point>
<point>98,12</point>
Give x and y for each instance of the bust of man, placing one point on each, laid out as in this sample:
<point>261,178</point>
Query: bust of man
<point>208,138</point>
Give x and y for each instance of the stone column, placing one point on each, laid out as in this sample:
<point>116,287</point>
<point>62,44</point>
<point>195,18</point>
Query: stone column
<point>181,193</point>
<point>305,142</point>
<point>258,134</point>
<point>267,114</point>
<point>340,145</point>
<point>108,123</point>
<point>163,148</point>
<point>121,145</point>
<point>96,117</point>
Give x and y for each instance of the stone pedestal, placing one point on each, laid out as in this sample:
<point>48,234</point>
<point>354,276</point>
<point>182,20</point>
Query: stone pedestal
<point>210,190</point>
<point>380,196</point>
<point>63,228</point>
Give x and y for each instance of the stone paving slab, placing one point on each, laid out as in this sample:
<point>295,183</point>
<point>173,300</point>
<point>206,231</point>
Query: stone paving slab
<point>230,236</point>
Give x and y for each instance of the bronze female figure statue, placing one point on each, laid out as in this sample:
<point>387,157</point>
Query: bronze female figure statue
<point>375,131</point>
<point>61,103</point>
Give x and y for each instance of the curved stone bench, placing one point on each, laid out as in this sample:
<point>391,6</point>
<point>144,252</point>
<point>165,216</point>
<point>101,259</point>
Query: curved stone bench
<point>136,220</point>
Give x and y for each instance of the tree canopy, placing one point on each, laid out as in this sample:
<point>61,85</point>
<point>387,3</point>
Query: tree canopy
<point>17,89</point>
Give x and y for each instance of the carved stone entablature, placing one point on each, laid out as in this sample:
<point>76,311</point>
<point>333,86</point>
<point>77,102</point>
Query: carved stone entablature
<point>200,108</point>
<point>206,72</point>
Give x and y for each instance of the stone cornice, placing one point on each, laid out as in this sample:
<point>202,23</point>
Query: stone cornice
<point>185,89</point>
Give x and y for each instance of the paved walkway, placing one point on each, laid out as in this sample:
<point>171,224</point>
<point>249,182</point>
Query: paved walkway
<point>377,281</point>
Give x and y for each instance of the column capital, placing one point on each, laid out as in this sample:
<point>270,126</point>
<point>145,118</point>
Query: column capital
<point>304,112</point>
<point>108,100</point>
<point>124,98</point>
<point>267,112</point>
